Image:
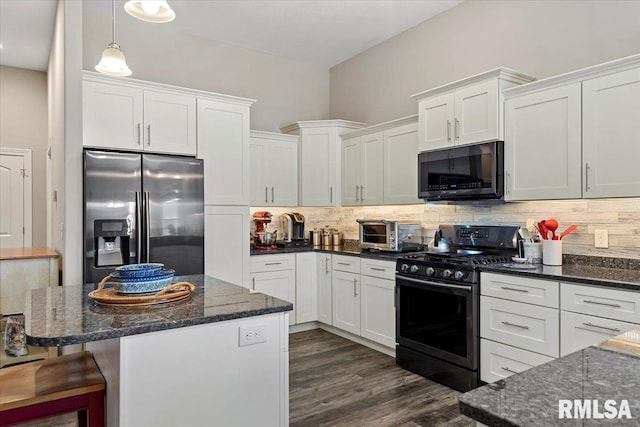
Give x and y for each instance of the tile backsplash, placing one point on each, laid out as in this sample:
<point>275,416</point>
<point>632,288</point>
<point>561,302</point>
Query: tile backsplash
<point>621,217</point>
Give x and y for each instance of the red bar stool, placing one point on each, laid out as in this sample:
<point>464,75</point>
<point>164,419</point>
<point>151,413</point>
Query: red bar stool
<point>70,383</point>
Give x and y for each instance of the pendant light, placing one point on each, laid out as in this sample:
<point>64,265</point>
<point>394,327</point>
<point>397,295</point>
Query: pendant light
<point>113,62</point>
<point>156,11</point>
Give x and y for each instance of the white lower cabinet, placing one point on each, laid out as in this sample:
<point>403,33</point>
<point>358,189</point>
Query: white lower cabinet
<point>346,301</point>
<point>306,304</point>
<point>579,331</point>
<point>498,361</point>
<point>324,275</point>
<point>226,243</point>
<point>275,275</point>
<point>377,311</point>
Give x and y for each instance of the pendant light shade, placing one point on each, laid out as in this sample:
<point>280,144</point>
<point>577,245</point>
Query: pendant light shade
<point>113,62</point>
<point>157,11</point>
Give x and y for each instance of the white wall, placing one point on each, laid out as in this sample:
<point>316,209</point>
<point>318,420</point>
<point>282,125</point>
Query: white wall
<point>23,124</point>
<point>540,38</point>
<point>286,90</point>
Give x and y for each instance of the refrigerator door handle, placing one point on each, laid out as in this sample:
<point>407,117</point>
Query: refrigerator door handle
<point>147,222</point>
<point>138,235</point>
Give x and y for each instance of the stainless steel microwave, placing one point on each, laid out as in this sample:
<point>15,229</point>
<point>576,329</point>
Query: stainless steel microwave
<point>467,172</point>
<point>393,236</point>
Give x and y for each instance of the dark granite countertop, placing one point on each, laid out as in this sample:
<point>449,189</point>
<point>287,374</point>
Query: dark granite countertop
<point>64,315</point>
<point>594,274</point>
<point>608,371</point>
<point>391,256</point>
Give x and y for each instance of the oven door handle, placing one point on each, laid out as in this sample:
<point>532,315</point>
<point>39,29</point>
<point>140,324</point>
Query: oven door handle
<point>441,285</point>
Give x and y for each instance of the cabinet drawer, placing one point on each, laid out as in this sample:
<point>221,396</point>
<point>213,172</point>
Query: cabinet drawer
<point>610,303</point>
<point>350,264</point>
<point>378,268</point>
<point>579,331</point>
<point>260,263</point>
<point>530,327</point>
<point>498,361</point>
<point>522,289</point>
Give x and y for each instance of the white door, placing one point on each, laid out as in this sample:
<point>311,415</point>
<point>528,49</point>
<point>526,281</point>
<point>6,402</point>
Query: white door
<point>346,301</point>
<point>436,118</point>
<point>318,165</point>
<point>306,303</point>
<point>257,172</point>
<point>169,123</point>
<point>324,287</point>
<point>15,193</point>
<point>378,317</point>
<point>226,243</point>
<point>282,173</point>
<point>223,144</point>
<point>476,109</point>
<point>351,161</point>
<point>401,165</point>
<point>371,170</point>
<point>611,135</point>
<point>543,162</point>
<point>279,284</point>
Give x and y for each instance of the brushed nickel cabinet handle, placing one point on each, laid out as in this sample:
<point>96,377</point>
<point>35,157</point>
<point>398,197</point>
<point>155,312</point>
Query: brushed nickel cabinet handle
<point>343,263</point>
<point>138,133</point>
<point>362,193</point>
<point>253,283</point>
<point>272,195</point>
<point>457,130</point>
<point>357,199</point>
<point>602,327</point>
<point>504,368</point>
<point>273,263</point>
<point>514,325</point>
<point>326,265</point>
<point>514,289</point>
<point>508,183</point>
<point>148,134</point>
<point>378,269</point>
<point>449,130</point>
<point>586,177</point>
<point>602,303</point>
<point>355,288</point>
<point>330,194</point>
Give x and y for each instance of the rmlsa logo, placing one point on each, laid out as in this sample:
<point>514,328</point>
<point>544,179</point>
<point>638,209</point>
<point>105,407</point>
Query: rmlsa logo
<point>587,408</point>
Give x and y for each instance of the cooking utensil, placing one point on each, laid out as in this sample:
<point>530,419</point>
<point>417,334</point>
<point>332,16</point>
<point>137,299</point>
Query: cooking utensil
<point>524,233</point>
<point>568,230</point>
<point>552,225</point>
<point>543,230</point>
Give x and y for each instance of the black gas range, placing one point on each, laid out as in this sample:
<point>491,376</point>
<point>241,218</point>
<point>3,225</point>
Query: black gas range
<point>437,302</point>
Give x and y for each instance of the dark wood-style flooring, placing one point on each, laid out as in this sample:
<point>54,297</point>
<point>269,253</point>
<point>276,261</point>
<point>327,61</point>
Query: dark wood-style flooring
<point>336,382</point>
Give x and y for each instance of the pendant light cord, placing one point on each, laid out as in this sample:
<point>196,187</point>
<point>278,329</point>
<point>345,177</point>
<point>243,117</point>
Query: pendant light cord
<point>113,20</point>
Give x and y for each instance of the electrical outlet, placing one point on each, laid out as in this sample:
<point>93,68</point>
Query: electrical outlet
<point>252,335</point>
<point>601,238</point>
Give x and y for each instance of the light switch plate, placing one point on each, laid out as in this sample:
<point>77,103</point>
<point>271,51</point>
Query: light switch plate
<point>601,238</point>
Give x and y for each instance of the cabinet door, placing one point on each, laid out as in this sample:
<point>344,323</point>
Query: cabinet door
<point>282,173</point>
<point>223,144</point>
<point>346,301</point>
<point>111,116</point>
<point>279,284</point>
<point>498,361</point>
<point>401,165</point>
<point>319,160</point>
<point>578,331</point>
<point>378,315</point>
<point>259,188</point>
<point>543,162</point>
<point>351,164</point>
<point>437,120</point>
<point>323,270</point>
<point>476,110</point>
<point>169,123</point>
<point>226,243</point>
<point>306,287</point>
<point>371,171</point>
<point>611,135</point>
<point>521,289</point>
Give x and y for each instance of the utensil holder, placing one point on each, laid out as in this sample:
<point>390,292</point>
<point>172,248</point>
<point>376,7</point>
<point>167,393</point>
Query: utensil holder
<point>533,252</point>
<point>552,252</point>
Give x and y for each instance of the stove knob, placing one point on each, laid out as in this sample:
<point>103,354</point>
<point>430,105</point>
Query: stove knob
<point>414,269</point>
<point>429,271</point>
<point>447,273</point>
<point>404,267</point>
<point>459,275</point>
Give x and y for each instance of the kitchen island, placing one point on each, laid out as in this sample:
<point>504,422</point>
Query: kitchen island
<point>596,386</point>
<point>219,357</point>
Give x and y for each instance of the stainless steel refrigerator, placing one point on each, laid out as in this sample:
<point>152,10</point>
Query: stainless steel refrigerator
<point>142,208</point>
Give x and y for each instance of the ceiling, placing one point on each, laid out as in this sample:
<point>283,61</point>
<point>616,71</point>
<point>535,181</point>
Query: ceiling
<point>319,32</point>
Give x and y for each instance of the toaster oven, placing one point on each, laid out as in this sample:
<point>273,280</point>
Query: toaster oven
<point>393,236</point>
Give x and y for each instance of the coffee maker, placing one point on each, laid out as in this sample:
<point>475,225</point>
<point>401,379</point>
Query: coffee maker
<point>293,226</point>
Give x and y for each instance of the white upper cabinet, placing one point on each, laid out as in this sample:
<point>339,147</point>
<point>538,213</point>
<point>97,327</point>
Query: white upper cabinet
<point>273,169</point>
<point>542,153</point>
<point>223,144</point>
<point>400,178</point>
<point>135,116</point>
<point>611,135</point>
<point>465,111</point>
<point>575,135</point>
<point>320,159</point>
<point>362,170</point>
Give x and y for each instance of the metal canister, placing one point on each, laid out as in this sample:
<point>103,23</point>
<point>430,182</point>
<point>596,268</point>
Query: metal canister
<point>326,238</point>
<point>315,236</point>
<point>336,238</point>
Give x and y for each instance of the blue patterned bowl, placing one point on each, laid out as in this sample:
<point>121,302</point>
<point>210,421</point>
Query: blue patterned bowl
<point>146,286</point>
<point>139,270</point>
<point>117,276</point>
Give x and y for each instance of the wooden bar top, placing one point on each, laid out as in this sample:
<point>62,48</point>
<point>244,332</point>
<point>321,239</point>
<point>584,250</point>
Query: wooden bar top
<point>26,253</point>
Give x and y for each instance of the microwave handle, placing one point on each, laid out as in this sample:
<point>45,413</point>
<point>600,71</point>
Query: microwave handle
<point>366,221</point>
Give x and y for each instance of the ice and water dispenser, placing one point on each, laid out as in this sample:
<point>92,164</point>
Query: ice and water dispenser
<point>111,242</point>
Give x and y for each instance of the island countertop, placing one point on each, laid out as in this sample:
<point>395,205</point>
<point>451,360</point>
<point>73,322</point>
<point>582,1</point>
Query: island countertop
<point>65,315</point>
